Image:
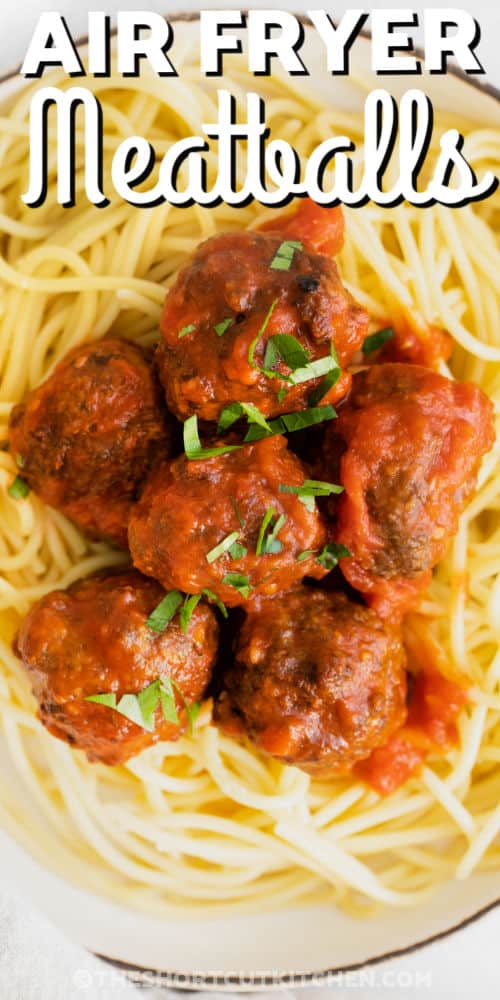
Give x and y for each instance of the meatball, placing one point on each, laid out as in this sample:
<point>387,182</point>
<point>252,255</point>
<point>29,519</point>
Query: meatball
<point>317,680</point>
<point>94,639</point>
<point>189,508</point>
<point>412,442</point>
<point>230,300</point>
<point>87,436</point>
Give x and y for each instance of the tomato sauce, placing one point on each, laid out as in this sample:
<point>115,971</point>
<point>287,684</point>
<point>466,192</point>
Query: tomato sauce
<point>431,727</point>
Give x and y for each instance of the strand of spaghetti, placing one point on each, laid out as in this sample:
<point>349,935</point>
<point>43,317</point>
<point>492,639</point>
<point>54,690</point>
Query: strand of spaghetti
<point>478,847</point>
<point>235,788</point>
<point>445,797</point>
<point>339,804</point>
<point>76,284</point>
<point>338,864</point>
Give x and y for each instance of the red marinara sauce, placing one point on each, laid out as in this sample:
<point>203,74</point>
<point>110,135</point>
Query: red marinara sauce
<point>431,727</point>
<point>425,345</point>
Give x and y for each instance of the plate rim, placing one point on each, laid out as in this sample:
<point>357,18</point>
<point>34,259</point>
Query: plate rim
<point>241,982</point>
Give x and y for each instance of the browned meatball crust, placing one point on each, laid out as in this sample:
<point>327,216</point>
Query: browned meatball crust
<point>229,295</point>
<point>317,680</point>
<point>93,639</point>
<point>189,507</point>
<point>411,442</point>
<point>87,436</point>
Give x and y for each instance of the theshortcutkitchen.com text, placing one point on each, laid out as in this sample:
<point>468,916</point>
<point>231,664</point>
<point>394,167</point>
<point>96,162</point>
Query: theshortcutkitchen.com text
<point>252,164</point>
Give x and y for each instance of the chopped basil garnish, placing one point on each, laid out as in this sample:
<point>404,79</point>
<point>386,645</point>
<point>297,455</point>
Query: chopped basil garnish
<point>222,547</point>
<point>281,395</point>
<point>376,340</point>
<point>287,349</point>
<point>167,697</point>
<point>283,347</point>
<point>210,596</point>
<point>109,700</point>
<point>230,414</point>
<point>164,611</point>
<point>315,369</point>
<point>192,443</point>
<point>283,257</point>
<point>191,710</point>
<point>328,383</point>
<point>224,325</point>
<point>140,708</point>
<point>304,555</point>
<point>240,583</point>
<point>191,602</point>
<point>237,551</point>
<point>237,511</point>
<point>291,422</point>
<point>331,553</point>
<point>18,489</point>
<point>312,488</point>
<point>267,542</point>
<point>255,341</point>
<point>186,329</point>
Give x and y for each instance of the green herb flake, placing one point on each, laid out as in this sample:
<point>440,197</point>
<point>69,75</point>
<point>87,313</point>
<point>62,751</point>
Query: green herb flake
<point>315,369</point>
<point>282,260</point>
<point>130,708</point>
<point>267,542</point>
<point>224,325</point>
<point>210,596</point>
<point>167,698</point>
<point>238,551</point>
<point>331,553</point>
<point>237,511</point>
<point>304,555</point>
<point>20,461</point>
<point>18,489</point>
<point>308,502</point>
<point>283,347</point>
<point>328,383</point>
<point>164,611</point>
<point>192,443</point>
<point>255,341</point>
<point>148,703</point>
<point>109,700</point>
<point>240,583</point>
<point>308,418</point>
<point>222,547</point>
<point>291,422</point>
<point>376,340</point>
<point>191,602</point>
<point>311,488</point>
<point>192,711</point>
<point>230,414</point>
<point>140,708</point>
<point>185,330</point>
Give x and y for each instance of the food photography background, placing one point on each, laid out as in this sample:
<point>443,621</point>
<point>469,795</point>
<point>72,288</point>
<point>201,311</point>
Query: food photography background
<point>34,960</point>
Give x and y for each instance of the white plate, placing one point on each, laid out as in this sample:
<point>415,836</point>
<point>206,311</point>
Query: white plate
<point>239,951</point>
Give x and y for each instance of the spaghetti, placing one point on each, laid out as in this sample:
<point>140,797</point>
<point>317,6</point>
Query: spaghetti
<point>208,823</point>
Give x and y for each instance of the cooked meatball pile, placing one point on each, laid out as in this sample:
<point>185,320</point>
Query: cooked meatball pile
<point>316,678</point>
<point>406,447</point>
<point>230,297</point>
<point>189,507</point>
<point>88,435</point>
<point>94,638</point>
